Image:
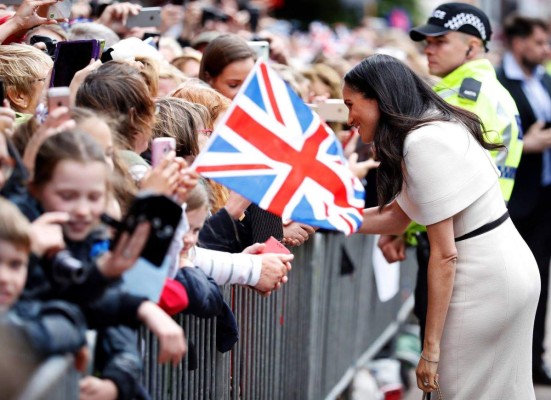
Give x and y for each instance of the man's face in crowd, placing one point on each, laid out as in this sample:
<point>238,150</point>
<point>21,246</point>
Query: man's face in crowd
<point>446,53</point>
<point>534,49</point>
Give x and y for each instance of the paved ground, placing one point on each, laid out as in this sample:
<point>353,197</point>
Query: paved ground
<point>542,392</point>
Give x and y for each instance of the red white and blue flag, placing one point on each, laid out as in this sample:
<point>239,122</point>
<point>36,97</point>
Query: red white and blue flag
<point>273,150</point>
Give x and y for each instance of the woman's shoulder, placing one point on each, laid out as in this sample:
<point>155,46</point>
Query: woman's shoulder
<point>437,131</point>
<point>438,136</point>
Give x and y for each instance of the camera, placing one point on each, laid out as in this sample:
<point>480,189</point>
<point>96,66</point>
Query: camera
<point>63,268</point>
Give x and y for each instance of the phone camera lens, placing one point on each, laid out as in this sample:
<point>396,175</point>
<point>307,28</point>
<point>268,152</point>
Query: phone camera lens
<point>167,231</point>
<point>156,223</point>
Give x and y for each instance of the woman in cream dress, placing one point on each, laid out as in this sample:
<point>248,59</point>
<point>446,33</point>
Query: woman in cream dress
<point>483,280</point>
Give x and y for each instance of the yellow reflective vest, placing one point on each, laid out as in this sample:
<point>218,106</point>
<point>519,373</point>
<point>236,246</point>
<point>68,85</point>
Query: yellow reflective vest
<point>474,87</point>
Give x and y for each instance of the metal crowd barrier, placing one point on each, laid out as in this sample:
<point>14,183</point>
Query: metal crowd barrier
<point>55,378</point>
<point>303,342</point>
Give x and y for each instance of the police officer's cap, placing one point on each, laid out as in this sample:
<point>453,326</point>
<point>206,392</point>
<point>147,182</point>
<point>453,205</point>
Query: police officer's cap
<point>458,17</point>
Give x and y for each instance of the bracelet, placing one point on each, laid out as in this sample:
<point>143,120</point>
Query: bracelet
<point>427,360</point>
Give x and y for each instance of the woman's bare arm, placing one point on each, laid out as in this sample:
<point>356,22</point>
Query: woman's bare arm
<point>441,276</point>
<point>392,220</point>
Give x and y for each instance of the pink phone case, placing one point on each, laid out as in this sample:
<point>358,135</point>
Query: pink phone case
<point>160,147</point>
<point>274,246</point>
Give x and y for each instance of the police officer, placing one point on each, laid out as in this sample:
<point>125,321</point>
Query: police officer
<point>456,39</point>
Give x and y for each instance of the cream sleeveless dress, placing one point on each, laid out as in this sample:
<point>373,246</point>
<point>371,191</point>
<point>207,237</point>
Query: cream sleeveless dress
<point>486,345</point>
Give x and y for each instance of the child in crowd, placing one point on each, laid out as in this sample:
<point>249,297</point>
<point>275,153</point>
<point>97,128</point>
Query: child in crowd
<point>71,179</point>
<point>31,330</point>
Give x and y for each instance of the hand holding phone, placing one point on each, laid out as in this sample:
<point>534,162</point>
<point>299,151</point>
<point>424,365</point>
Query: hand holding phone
<point>160,147</point>
<point>71,57</point>
<point>333,110</point>
<point>275,246</point>
<point>147,17</point>
<point>60,10</point>
<point>164,216</point>
<point>147,276</point>
<point>58,97</point>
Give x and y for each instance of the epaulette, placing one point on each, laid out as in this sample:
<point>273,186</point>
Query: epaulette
<point>470,89</point>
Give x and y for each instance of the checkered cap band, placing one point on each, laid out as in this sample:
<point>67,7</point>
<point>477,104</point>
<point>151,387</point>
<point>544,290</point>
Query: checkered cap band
<point>467,19</point>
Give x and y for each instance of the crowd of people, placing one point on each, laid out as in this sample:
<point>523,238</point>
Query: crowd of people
<point>451,157</point>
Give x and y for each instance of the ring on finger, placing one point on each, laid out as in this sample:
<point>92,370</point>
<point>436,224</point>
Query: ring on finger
<point>426,383</point>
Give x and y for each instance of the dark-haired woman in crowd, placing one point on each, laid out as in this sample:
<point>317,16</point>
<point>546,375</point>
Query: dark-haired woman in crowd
<point>483,280</point>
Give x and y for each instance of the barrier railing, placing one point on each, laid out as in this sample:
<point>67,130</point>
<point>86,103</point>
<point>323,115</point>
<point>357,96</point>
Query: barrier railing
<point>55,378</point>
<point>302,342</point>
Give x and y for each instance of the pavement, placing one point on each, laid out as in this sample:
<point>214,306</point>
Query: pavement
<point>542,392</point>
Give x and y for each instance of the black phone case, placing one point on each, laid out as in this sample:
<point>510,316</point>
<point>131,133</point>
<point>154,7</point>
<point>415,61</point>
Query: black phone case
<point>164,216</point>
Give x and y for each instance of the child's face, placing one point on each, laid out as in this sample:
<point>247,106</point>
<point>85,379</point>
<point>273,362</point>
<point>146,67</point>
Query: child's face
<point>196,220</point>
<point>79,189</point>
<point>13,273</point>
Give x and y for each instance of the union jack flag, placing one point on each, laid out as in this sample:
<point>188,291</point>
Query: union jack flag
<point>273,150</point>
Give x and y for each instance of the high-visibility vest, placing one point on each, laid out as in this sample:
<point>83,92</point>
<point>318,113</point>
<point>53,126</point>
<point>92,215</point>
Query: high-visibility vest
<point>474,87</point>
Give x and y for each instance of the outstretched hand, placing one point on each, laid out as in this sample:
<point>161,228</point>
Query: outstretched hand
<point>115,15</point>
<point>58,121</point>
<point>361,168</point>
<point>274,268</point>
<point>392,247</point>
<point>32,13</point>
<point>296,233</point>
<point>126,253</point>
<point>172,343</point>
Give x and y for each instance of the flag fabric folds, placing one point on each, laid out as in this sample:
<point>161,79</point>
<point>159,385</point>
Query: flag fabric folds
<point>273,150</point>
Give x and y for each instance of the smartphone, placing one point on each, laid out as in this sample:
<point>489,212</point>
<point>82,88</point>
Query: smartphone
<point>164,216</point>
<point>48,42</point>
<point>152,39</point>
<point>60,10</point>
<point>58,97</point>
<point>333,110</point>
<point>261,48</point>
<point>147,17</point>
<point>160,147</point>
<point>72,56</point>
<point>547,125</point>
<point>275,246</point>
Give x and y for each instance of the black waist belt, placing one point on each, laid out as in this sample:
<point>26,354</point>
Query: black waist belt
<point>484,228</point>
